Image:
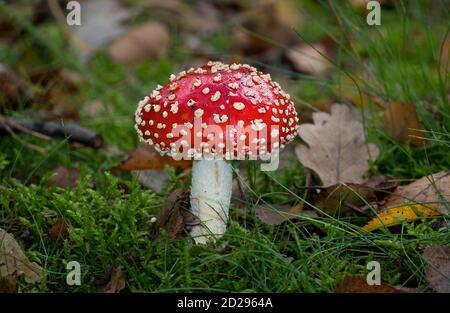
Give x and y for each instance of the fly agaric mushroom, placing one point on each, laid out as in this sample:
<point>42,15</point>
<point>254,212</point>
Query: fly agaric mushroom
<point>213,114</point>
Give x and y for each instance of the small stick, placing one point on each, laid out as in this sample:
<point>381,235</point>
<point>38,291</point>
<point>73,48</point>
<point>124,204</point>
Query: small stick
<point>14,135</point>
<point>19,127</point>
<point>50,129</point>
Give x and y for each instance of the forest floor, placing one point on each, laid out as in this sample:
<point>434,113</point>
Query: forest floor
<point>103,215</point>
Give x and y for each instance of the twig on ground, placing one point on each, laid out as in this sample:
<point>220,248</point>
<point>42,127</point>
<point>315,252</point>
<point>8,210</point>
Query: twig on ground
<point>5,125</point>
<point>49,129</point>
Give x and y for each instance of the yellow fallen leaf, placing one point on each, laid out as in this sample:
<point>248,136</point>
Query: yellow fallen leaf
<point>396,216</point>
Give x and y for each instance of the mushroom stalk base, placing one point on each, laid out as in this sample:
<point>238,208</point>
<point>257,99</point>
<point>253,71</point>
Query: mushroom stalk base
<point>210,198</point>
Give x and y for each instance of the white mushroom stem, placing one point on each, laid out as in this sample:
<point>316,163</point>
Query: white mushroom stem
<point>210,198</point>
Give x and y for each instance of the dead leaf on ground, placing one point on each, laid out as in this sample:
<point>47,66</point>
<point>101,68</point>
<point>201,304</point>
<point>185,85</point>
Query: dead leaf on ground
<point>116,281</point>
<point>102,21</point>
<point>249,42</point>
<point>433,189</point>
<point>337,150</point>
<point>287,13</point>
<point>144,42</point>
<point>60,229</point>
<point>407,289</point>
<point>145,157</point>
<point>13,261</point>
<point>8,285</point>
<point>174,217</point>
<point>437,272</point>
<point>239,191</point>
<point>278,214</point>
<point>343,198</point>
<point>205,20</point>
<point>60,110</point>
<point>49,77</point>
<point>401,122</point>
<point>309,59</point>
<point>380,182</point>
<point>64,177</point>
<point>397,216</point>
<point>152,179</point>
<point>260,28</point>
<point>356,284</point>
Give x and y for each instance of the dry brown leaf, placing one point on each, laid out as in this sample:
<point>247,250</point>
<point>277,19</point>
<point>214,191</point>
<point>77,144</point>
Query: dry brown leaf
<point>239,190</point>
<point>342,198</point>
<point>211,18</point>
<point>174,216</point>
<point>8,284</point>
<point>276,215</point>
<point>60,229</point>
<point>356,284</point>
<point>438,269</point>
<point>145,157</point>
<point>260,27</point>
<point>49,77</point>
<point>400,120</point>
<point>309,59</point>
<point>61,110</point>
<point>152,179</point>
<point>64,177</point>
<point>288,14</point>
<point>272,216</point>
<point>407,289</point>
<point>433,189</point>
<point>102,21</point>
<point>116,282</point>
<point>13,261</point>
<point>337,150</point>
<point>248,42</point>
<point>146,41</point>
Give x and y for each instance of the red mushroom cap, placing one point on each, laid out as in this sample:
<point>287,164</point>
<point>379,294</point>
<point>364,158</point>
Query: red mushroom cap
<point>218,110</point>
